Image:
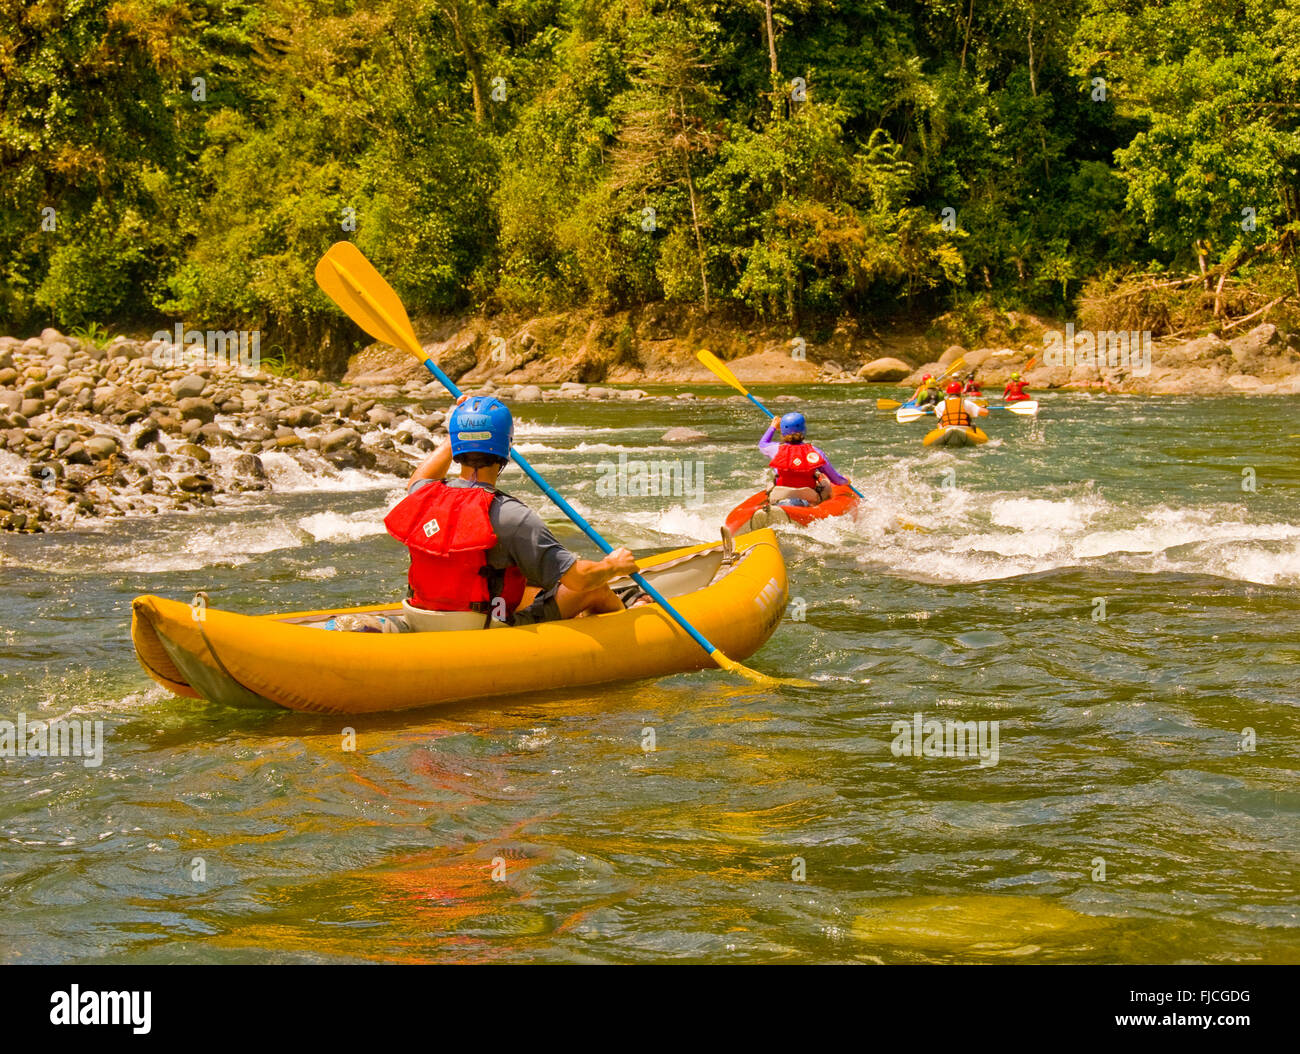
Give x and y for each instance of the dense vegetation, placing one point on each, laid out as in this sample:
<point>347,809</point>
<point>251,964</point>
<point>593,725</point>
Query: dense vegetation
<point>782,159</point>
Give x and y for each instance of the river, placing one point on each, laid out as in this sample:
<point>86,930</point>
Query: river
<point>1114,585</point>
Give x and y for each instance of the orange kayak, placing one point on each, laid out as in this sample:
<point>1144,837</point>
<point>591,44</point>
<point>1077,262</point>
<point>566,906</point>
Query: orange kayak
<point>755,512</point>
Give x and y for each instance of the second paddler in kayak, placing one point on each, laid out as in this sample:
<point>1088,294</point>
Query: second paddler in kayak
<point>804,474</point>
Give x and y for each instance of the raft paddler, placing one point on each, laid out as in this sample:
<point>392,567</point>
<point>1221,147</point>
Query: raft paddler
<point>476,548</point>
<point>928,393</point>
<point>1016,390</point>
<point>958,410</point>
<point>804,474</point>
<point>972,386</point>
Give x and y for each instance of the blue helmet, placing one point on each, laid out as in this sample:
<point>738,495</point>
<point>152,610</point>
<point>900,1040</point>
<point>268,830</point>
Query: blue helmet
<point>481,424</point>
<point>793,424</point>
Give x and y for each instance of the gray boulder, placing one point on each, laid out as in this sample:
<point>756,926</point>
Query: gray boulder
<point>884,370</point>
<point>195,409</point>
<point>340,439</point>
<point>683,435</point>
<point>190,387</point>
<point>101,447</point>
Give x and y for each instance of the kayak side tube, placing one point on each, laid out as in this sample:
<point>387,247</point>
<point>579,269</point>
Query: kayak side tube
<point>286,660</point>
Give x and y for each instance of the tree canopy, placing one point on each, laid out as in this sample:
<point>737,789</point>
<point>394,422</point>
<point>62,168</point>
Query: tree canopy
<point>191,159</point>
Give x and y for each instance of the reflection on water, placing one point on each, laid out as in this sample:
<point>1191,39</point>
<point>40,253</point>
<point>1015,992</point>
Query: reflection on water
<point>1127,819</point>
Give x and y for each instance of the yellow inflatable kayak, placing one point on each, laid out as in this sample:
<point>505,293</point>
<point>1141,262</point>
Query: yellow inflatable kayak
<point>734,596</point>
<point>955,435</point>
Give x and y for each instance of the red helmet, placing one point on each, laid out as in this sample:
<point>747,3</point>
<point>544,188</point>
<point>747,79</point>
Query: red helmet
<point>927,377</point>
<point>954,388</point>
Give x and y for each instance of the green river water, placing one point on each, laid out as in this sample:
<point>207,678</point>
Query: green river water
<point>1143,807</point>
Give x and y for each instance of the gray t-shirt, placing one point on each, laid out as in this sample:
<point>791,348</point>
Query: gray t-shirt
<point>523,539</point>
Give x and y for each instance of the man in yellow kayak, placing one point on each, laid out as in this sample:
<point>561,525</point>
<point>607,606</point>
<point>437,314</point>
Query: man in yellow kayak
<point>957,409</point>
<point>476,548</point>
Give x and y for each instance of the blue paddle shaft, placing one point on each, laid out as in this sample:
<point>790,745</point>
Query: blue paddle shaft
<point>770,414</point>
<point>581,522</point>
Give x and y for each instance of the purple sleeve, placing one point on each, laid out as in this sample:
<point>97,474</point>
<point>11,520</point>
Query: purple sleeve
<point>829,469</point>
<point>765,445</point>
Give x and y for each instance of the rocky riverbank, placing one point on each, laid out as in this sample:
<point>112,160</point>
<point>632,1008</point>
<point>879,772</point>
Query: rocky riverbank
<point>89,432</point>
<point>657,344</point>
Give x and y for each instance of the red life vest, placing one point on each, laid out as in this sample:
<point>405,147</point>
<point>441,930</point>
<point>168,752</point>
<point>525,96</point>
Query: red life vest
<point>449,532</point>
<point>797,465</point>
<point>954,412</point>
<point>1015,391</point>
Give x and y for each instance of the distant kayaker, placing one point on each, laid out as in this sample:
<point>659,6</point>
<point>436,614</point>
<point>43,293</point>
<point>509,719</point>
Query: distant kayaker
<point>957,410</point>
<point>928,393</point>
<point>804,474</point>
<point>476,548</point>
<point>1016,390</point>
<point>972,386</point>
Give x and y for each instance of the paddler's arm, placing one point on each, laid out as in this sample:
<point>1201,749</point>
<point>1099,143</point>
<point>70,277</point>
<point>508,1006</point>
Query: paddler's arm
<point>436,465</point>
<point>530,546</point>
<point>586,575</point>
<point>767,446</point>
<point>830,470</point>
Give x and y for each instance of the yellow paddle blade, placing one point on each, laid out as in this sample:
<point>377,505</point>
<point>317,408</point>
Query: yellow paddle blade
<point>953,367</point>
<point>912,526</point>
<point>351,281</point>
<point>732,666</point>
<point>887,404</point>
<point>715,364</point>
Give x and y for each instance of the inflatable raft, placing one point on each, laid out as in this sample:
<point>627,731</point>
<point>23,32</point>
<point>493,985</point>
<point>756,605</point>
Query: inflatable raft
<point>955,435</point>
<point>755,512</point>
<point>735,596</point>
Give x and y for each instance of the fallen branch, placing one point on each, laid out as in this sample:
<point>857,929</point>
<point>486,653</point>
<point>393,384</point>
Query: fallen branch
<point>1256,314</point>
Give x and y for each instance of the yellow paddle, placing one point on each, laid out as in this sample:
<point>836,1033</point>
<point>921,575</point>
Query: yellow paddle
<point>351,281</point>
<point>894,404</point>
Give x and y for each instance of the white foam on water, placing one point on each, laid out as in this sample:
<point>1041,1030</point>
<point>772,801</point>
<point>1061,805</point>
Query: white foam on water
<point>338,527</point>
<point>1164,528</point>
<point>232,544</point>
<point>1269,567</point>
<point>634,451</point>
<point>690,524</point>
<point>1042,514</point>
<point>533,429</point>
<point>289,475</point>
<point>13,468</point>
<point>318,574</point>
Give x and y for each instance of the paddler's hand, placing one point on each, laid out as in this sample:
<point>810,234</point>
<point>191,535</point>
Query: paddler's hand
<point>776,424</point>
<point>621,562</point>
